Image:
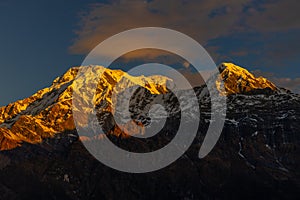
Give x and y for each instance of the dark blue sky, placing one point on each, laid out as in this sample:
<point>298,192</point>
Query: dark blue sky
<point>40,40</point>
<point>34,42</point>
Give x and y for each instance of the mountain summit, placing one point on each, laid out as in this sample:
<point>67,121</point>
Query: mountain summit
<point>49,111</point>
<point>238,80</point>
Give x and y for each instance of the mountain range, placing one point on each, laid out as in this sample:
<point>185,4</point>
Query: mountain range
<point>257,155</point>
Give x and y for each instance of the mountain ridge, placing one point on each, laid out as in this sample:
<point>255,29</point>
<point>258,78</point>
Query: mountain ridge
<point>239,80</point>
<point>48,112</point>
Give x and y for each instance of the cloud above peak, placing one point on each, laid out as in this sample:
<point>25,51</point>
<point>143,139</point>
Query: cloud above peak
<point>202,20</point>
<point>254,33</point>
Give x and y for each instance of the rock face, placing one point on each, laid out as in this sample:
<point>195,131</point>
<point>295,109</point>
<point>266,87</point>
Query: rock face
<point>257,155</point>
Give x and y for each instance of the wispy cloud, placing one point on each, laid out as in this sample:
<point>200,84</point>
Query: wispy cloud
<point>202,20</point>
<point>274,16</point>
<point>264,31</point>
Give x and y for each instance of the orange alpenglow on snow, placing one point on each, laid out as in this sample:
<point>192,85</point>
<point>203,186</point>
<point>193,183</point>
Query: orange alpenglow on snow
<point>238,80</point>
<point>49,111</point>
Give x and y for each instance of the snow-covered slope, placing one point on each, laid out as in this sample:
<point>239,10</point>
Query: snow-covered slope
<point>239,80</point>
<point>49,111</point>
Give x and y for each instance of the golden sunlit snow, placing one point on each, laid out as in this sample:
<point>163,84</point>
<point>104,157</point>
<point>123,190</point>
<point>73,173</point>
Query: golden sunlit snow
<point>49,111</point>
